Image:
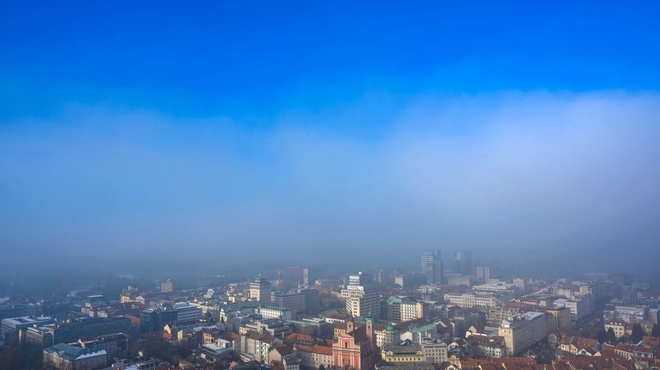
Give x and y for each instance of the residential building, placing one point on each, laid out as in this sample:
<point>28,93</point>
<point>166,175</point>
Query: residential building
<point>401,309</point>
<point>523,331</point>
<point>561,316</point>
<point>434,351</point>
<point>315,356</point>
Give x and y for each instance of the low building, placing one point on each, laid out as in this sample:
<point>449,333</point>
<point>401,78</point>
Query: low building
<point>15,328</point>
<point>65,357</point>
<point>406,352</point>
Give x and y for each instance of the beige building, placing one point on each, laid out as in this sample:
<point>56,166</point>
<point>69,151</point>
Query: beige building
<point>561,316</point>
<point>386,337</point>
<point>408,353</point>
<point>523,331</point>
<point>167,286</point>
<point>315,356</point>
<point>434,351</point>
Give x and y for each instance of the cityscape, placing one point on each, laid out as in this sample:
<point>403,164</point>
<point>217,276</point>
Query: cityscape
<point>373,185</point>
<point>452,311</point>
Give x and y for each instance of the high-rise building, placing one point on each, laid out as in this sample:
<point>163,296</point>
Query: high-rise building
<point>484,273</point>
<point>463,263</point>
<point>260,290</point>
<point>310,275</point>
<point>167,286</point>
<point>432,267</point>
<point>362,296</point>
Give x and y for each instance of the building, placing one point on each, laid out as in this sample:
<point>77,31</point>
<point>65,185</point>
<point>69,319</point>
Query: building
<point>311,298</point>
<point>470,300</point>
<point>386,337</point>
<point>523,331</point>
<point>156,319</point>
<point>115,345</point>
<point>39,336</point>
<point>272,312</point>
<point>463,263</point>
<point>561,316</point>
<point>405,352</point>
<point>315,356</point>
<point>19,310</point>
<point>400,309</point>
<point>417,334</point>
<point>617,326</point>
<point>293,301</point>
<point>579,307</point>
<point>484,273</point>
<point>72,330</point>
<point>432,267</point>
<point>310,275</point>
<point>409,280</point>
<point>187,313</point>
<point>15,328</point>
<point>63,356</point>
<point>362,296</point>
<point>167,286</point>
<point>356,349</point>
<point>434,351</point>
<point>260,290</point>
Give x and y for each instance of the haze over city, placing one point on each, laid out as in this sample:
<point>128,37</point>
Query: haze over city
<point>346,128</point>
<point>428,185</point>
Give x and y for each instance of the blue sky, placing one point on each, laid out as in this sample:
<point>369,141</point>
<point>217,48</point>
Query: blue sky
<point>222,126</point>
<point>257,58</point>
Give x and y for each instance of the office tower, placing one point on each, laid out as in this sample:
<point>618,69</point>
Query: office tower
<point>484,273</point>
<point>362,296</point>
<point>260,290</point>
<point>463,263</point>
<point>432,266</point>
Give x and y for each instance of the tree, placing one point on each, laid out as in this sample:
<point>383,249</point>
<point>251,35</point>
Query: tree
<point>656,331</point>
<point>637,333</point>
<point>602,336</point>
<point>321,367</point>
<point>611,337</point>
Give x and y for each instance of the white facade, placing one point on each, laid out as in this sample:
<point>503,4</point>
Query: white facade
<point>362,296</point>
<point>469,300</point>
<point>187,312</point>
